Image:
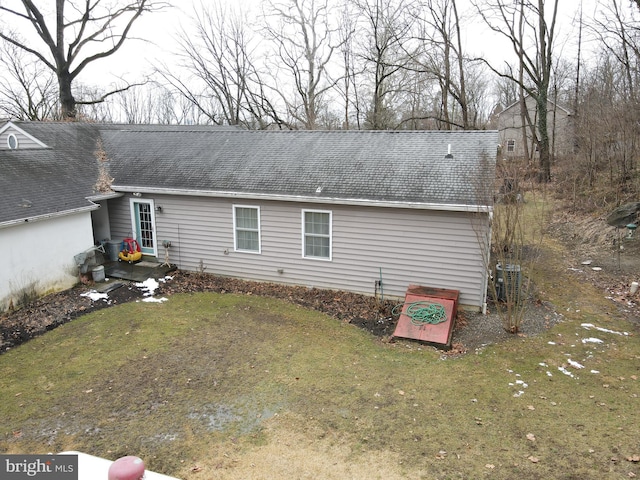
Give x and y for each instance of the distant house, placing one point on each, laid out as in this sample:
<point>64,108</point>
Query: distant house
<point>509,124</point>
<point>355,211</point>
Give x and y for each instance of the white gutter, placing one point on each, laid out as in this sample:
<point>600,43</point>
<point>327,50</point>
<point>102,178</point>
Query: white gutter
<point>104,196</point>
<point>47,216</point>
<point>451,207</point>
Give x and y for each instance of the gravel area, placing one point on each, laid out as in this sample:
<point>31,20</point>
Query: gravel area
<point>476,330</point>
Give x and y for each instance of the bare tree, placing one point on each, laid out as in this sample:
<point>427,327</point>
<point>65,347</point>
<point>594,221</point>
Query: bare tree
<point>620,36</point>
<point>604,170</point>
<point>171,108</point>
<point>348,86</point>
<point>74,37</point>
<point>303,38</point>
<point>388,24</point>
<point>100,112</point>
<point>217,54</point>
<point>440,55</point>
<point>138,105</point>
<point>530,29</point>
<point>505,91</point>
<point>27,89</point>
<point>219,75</point>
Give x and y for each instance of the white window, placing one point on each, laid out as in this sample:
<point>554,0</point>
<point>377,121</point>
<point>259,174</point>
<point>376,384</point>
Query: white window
<point>12,141</point>
<point>246,228</point>
<point>511,146</point>
<point>316,234</point>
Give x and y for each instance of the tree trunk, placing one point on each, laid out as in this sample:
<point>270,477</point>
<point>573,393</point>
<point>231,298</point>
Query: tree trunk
<point>67,101</point>
<point>542,96</point>
<point>100,26</point>
<point>544,146</point>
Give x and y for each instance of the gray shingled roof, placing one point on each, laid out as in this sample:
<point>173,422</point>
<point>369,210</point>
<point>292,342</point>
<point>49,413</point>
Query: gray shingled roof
<point>380,166</point>
<point>39,182</point>
<point>364,166</point>
<point>48,181</point>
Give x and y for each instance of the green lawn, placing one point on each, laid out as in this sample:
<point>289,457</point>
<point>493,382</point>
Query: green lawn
<point>234,387</point>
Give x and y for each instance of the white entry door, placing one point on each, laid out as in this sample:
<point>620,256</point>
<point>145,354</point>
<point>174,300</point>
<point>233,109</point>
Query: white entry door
<point>143,225</point>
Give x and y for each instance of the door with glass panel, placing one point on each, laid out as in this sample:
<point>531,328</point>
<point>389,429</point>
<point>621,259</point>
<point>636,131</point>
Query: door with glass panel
<point>144,225</point>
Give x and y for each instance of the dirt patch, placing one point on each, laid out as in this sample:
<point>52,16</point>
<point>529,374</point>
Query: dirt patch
<point>601,255</point>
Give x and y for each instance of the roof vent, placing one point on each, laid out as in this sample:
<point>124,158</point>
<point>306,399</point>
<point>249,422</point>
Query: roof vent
<point>448,155</point>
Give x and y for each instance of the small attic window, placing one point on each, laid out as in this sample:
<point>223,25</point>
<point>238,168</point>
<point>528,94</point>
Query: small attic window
<point>12,141</point>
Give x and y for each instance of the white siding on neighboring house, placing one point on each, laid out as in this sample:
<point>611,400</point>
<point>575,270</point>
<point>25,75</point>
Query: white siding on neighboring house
<point>406,246</point>
<point>38,256</point>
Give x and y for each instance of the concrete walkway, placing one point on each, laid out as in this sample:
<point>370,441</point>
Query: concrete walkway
<point>136,272</point>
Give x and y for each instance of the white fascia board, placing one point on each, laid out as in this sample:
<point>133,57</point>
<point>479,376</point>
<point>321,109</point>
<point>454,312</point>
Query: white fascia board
<point>47,216</point>
<point>307,199</point>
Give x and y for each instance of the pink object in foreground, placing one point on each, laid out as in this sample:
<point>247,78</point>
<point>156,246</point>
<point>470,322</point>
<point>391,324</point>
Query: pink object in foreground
<point>127,468</point>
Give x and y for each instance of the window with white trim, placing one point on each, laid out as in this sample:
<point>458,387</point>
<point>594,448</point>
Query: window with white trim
<point>246,228</point>
<point>12,141</point>
<point>511,145</point>
<point>316,234</point>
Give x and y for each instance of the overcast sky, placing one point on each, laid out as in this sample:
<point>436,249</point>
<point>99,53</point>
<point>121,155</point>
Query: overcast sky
<point>160,29</point>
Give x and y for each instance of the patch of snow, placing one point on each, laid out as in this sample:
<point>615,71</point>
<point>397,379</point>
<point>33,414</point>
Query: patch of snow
<point>150,285</point>
<point>566,372</point>
<point>574,364</point>
<point>589,326</point>
<point>95,296</point>
<point>595,371</point>
<point>551,343</point>
<point>154,299</point>
<point>542,364</point>
<point>518,384</point>
<point>549,374</point>
<point>592,340</point>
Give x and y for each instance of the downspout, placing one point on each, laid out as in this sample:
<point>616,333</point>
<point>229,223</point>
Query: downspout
<point>488,257</point>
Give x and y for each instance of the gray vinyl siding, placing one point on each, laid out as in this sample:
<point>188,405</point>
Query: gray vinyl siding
<point>408,246</point>
<point>560,122</point>
<point>24,141</point>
